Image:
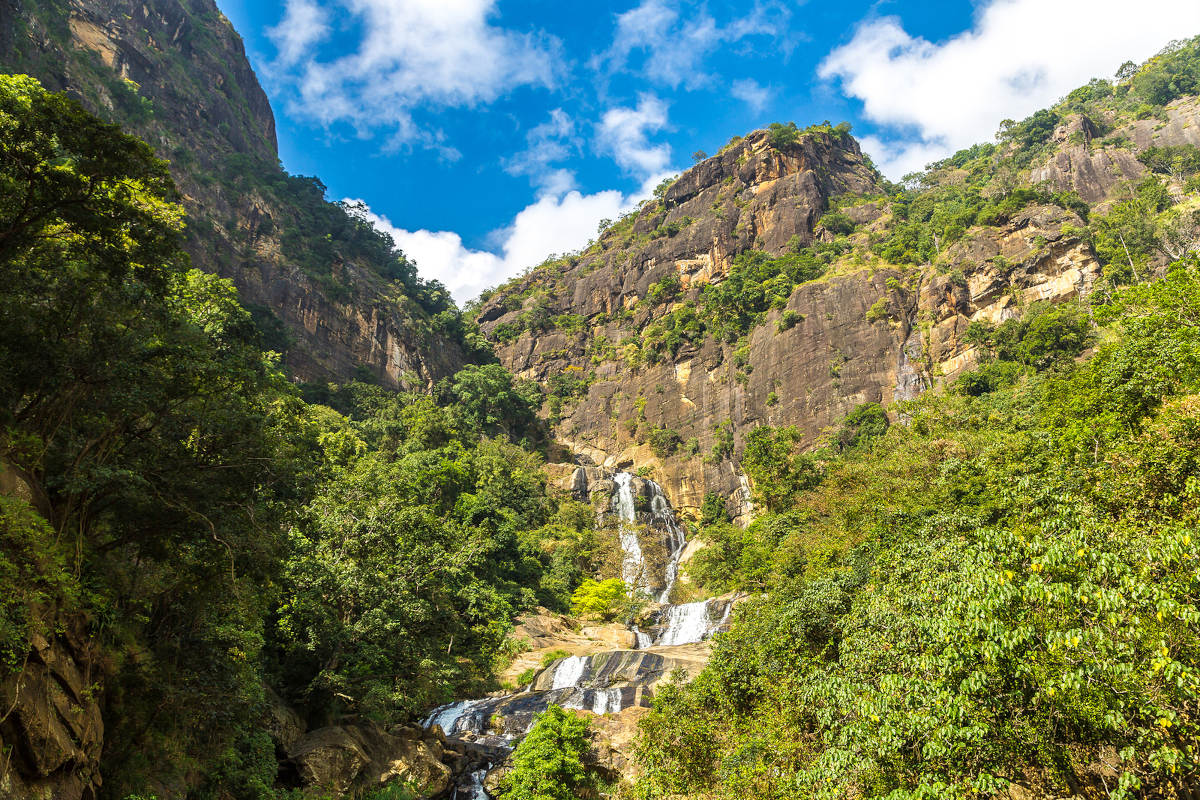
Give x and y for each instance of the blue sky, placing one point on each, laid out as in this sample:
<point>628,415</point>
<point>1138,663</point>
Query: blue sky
<point>487,134</point>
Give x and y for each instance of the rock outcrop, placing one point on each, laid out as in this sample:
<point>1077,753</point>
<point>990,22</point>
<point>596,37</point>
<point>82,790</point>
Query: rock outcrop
<point>51,730</point>
<point>868,332</point>
<point>347,759</point>
<point>1094,167</point>
<point>175,73</point>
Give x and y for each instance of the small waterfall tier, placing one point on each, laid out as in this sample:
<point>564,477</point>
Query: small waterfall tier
<point>603,683</point>
<point>645,520</point>
<point>687,623</point>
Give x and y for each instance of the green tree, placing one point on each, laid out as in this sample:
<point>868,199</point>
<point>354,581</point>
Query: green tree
<point>549,763</point>
<point>158,441</point>
<point>492,401</point>
<point>602,599</point>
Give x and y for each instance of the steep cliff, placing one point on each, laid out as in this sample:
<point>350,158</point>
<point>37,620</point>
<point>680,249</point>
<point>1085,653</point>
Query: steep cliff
<point>324,288</point>
<point>866,330</point>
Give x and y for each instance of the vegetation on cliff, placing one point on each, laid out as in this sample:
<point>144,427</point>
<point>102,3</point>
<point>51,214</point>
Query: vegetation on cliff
<point>216,532</point>
<point>1002,590</point>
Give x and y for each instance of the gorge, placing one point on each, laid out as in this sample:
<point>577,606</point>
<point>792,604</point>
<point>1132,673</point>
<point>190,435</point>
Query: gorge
<point>795,482</point>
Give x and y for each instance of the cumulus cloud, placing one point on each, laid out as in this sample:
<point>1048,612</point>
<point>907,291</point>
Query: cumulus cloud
<point>624,134</point>
<point>546,144</point>
<point>1020,55</point>
<point>408,53</point>
<point>676,44</point>
<point>304,24</point>
<point>555,223</point>
<point>751,93</point>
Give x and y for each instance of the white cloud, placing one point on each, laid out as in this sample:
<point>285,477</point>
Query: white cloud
<point>554,224</point>
<point>751,93</point>
<point>303,25</point>
<point>624,133</point>
<point>676,44</point>
<point>545,144</point>
<point>408,53</point>
<point>1021,55</point>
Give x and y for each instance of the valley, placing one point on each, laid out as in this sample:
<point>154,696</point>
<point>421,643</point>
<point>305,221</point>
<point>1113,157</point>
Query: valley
<point>795,482</point>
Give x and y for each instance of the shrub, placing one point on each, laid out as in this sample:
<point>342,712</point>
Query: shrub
<point>602,599</point>
<point>549,763</point>
<point>664,441</point>
<point>788,320</point>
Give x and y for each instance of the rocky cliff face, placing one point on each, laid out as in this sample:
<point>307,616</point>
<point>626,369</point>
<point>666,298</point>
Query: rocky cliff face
<point>867,332</point>
<point>1094,165</point>
<point>175,73</point>
<point>51,731</point>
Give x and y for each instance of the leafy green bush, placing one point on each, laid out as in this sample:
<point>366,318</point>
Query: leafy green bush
<point>864,424</point>
<point>664,441</point>
<point>782,136</point>
<point>548,764</point>
<point>601,599</point>
<point>837,223</point>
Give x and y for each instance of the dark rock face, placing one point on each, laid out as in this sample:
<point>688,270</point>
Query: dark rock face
<point>866,333</point>
<point>51,731</point>
<point>175,73</point>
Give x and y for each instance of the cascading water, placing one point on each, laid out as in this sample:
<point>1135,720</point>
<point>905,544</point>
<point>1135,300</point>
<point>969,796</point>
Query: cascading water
<point>661,509</point>
<point>474,790</point>
<point>691,622</point>
<point>685,624</point>
<point>569,671</point>
<point>633,563</point>
<point>455,717</point>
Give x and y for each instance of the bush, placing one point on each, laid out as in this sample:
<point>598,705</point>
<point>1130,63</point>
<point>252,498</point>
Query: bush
<point>549,763</point>
<point>664,441</point>
<point>867,422</point>
<point>837,223</point>
<point>602,599</point>
<point>782,136</point>
<point>878,310</point>
<point>788,320</point>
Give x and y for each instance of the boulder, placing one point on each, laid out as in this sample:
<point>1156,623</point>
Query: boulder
<point>355,756</point>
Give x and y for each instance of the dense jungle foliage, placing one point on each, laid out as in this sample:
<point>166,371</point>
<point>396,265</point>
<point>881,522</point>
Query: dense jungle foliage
<point>214,531</point>
<point>1005,589</point>
<point>994,584</point>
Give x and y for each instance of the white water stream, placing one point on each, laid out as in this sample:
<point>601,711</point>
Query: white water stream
<point>573,679</point>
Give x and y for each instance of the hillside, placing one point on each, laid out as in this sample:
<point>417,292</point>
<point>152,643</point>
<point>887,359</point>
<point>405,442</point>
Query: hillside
<point>327,292</point>
<point>782,283</point>
<point>796,483</point>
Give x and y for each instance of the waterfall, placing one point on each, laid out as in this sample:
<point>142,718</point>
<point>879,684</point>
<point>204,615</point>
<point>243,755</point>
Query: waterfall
<point>607,701</point>
<point>689,623</point>
<point>476,790</point>
<point>569,672</point>
<point>633,563</point>
<point>644,640</point>
<point>660,507</point>
<point>450,717</point>
<point>685,624</point>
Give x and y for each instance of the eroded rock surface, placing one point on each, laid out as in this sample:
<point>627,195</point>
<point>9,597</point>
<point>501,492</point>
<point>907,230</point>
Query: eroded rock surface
<point>51,730</point>
<point>353,757</point>
<point>1096,166</point>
